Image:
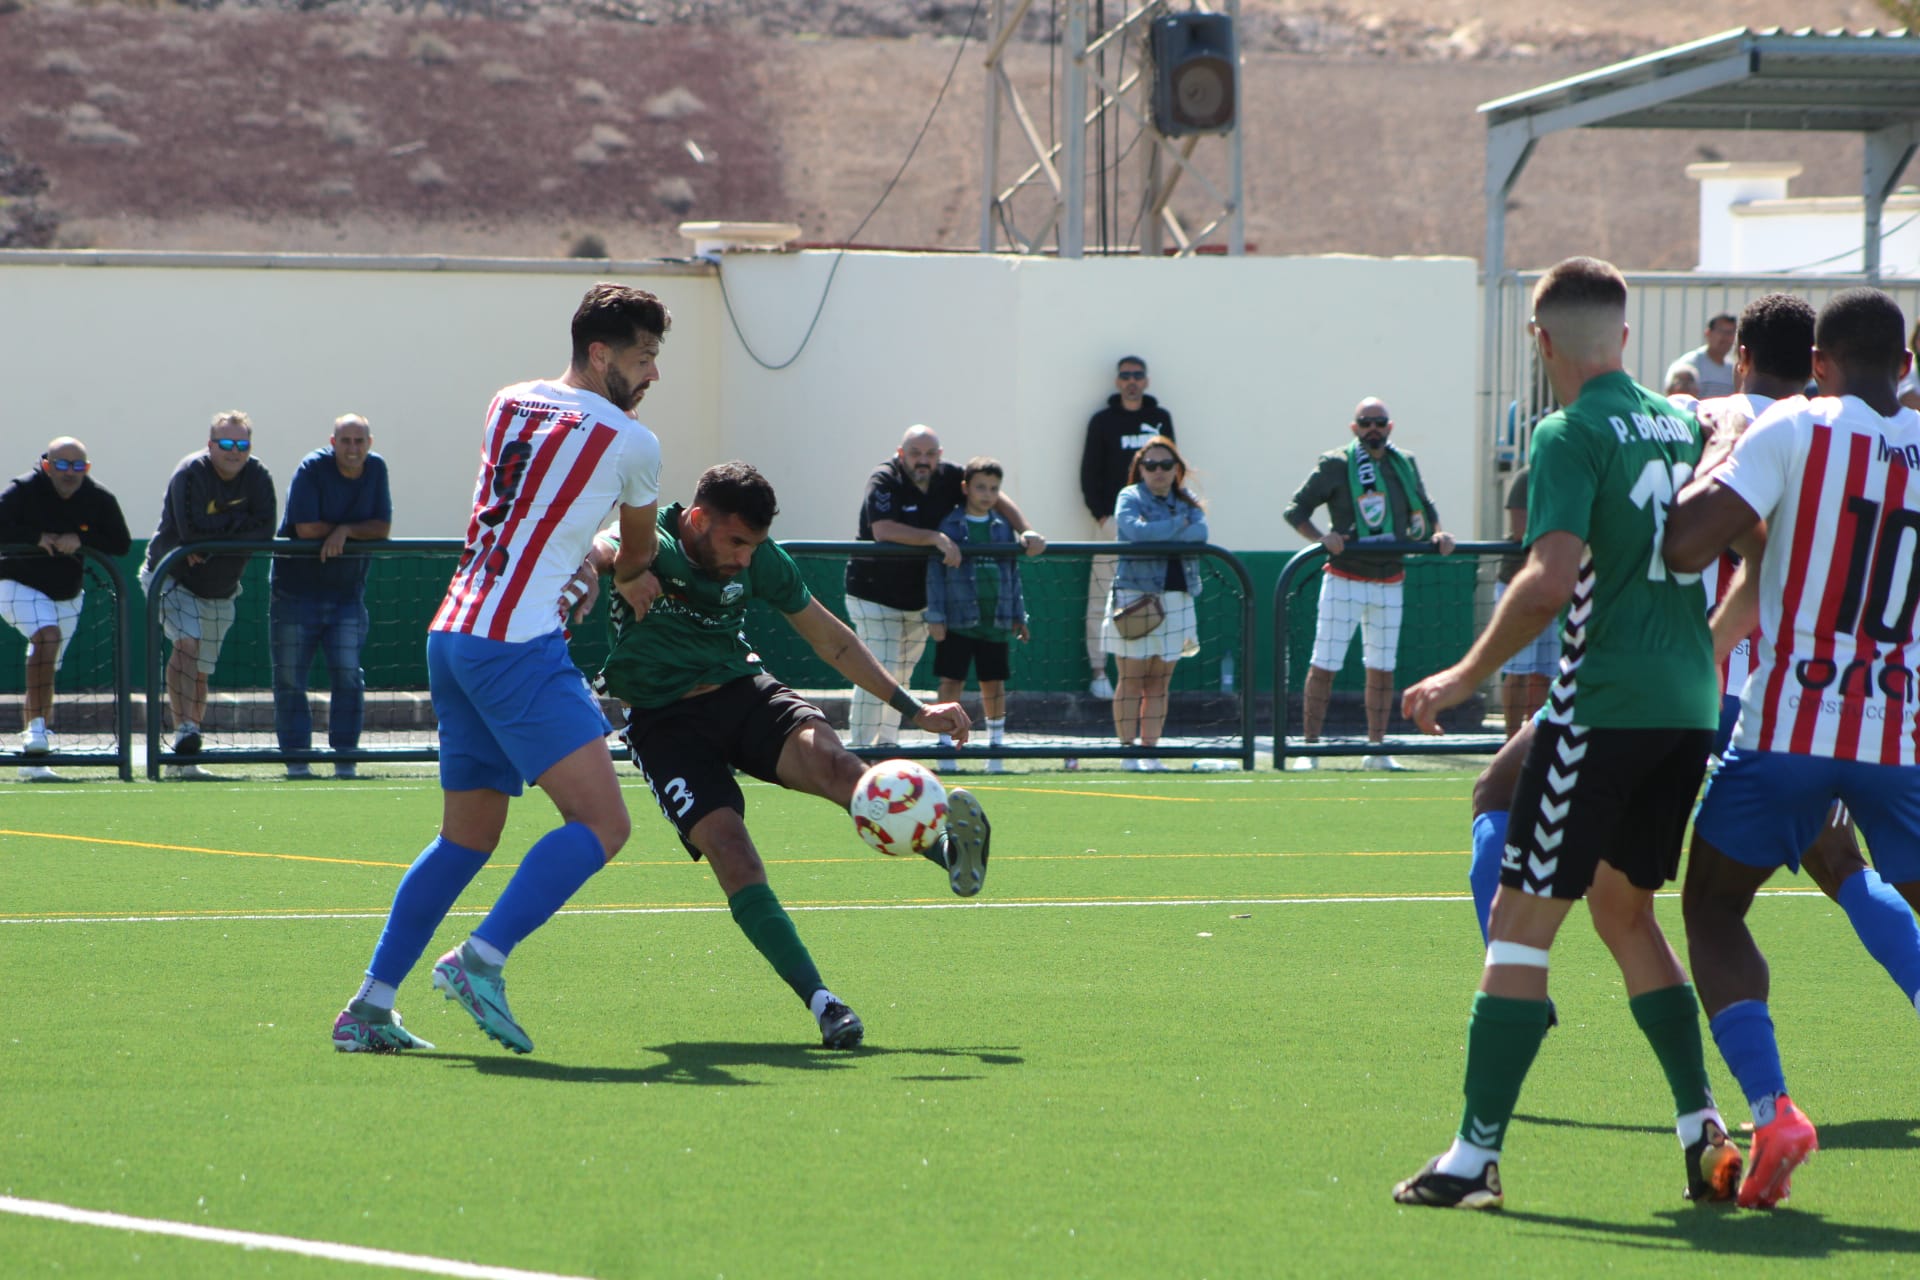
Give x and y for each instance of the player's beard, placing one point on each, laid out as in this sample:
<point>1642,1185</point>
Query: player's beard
<point>626,396</point>
<point>1374,441</point>
<point>700,552</point>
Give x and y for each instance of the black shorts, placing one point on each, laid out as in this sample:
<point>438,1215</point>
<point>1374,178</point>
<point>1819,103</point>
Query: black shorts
<point>1587,795</point>
<point>952,656</point>
<point>689,749</point>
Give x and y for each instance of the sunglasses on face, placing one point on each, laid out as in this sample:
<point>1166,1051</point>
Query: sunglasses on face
<point>62,464</point>
<point>1158,464</point>
<point>1372,422</point>
<point>234,446</point>
<point>1133,375</point>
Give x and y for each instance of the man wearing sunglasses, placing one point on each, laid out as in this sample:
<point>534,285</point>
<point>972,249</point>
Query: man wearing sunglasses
<point>1114,435</point>
<point>58,508</point>
<point>1373,493</point>
<point>221,493</point>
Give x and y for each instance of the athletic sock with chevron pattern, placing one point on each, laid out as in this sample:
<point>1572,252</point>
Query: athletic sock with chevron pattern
<point>1502,1039</point>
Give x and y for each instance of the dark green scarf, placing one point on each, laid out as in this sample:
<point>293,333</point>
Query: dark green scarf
<point>1373,504</point>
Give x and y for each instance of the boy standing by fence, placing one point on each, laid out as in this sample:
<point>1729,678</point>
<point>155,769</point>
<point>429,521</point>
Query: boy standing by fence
<point>975,610</point>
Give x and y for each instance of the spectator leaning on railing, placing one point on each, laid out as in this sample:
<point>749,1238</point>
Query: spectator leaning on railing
<point>220,493</point>
<point>338,492</point>
<point>60,508</point>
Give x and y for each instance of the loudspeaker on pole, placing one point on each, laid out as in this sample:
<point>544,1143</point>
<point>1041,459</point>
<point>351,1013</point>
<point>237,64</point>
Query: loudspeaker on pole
<point>1194,62</point>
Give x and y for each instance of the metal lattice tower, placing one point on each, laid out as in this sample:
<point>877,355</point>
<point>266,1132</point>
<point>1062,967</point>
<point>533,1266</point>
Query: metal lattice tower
<point>1035,199</point>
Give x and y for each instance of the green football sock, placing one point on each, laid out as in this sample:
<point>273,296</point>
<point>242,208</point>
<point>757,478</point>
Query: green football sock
<point>767,926</point>
<point>1502,1039</point>
<point>1670,1019</point>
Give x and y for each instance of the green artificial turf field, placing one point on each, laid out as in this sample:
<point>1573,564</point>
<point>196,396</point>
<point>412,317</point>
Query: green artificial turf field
<point>1195,1026</point>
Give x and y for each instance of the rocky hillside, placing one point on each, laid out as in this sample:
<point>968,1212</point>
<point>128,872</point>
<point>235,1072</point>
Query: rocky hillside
<point>543,127</point>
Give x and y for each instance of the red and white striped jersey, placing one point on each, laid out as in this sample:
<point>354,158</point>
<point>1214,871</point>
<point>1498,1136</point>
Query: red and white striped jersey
<point>1718,576</point>
<point>1839,583</point>
<point>554,463</point>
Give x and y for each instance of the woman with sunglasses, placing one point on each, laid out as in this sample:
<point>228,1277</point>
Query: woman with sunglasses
<point>1156,506</point>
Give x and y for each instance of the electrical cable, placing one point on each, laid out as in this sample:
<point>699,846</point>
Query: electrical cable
<point>827,289</point>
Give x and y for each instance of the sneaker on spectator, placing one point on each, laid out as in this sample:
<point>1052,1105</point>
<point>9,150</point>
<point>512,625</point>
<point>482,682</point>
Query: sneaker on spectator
<point>1302,764</point>
<point>35,740</point>
<point>186,738</point>
<point>1382,764</point>
<point>996,765</point>
<point>1133,764</point>
<point>191,773</point>
<point>299,769</point>
<point>346,769</point>
<point>39,773</point>
<point>1153,764</point>
<point>1071,764</point>
<point>1101,687</point>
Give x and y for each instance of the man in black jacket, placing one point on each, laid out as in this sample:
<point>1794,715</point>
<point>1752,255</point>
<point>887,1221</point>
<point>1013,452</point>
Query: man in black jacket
<point>222,492</point>
<point>1114,435</point>
<point>58,507</point>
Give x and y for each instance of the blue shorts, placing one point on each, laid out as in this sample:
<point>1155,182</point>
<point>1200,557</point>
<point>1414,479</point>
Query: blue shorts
<point>1729,717</point>
<point>1763,807</point>
<point>1541,657</point>
<point>507,712</point>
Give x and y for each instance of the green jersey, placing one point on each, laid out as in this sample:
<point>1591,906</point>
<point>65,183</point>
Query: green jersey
<point>1637,653</point>
<point>694,632</point>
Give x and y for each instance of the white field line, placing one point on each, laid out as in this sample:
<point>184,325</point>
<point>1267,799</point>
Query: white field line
<point>225,917</point>
<point>278,1244</point>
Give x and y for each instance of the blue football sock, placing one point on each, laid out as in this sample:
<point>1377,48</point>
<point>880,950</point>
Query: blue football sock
<point>427,892</point>
<point>1886,927</point>
<point>1489,846</point>
<point>553,871</point>
<point>1744,1032</point>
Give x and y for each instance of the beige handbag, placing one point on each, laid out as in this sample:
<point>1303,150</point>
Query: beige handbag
<point>1139,618</point>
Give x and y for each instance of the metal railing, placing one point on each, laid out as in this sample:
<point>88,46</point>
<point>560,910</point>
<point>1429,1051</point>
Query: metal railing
<point>1238,745</point>
<point>120,754</point>
<point>158,754</point>
<point>1419,555</point>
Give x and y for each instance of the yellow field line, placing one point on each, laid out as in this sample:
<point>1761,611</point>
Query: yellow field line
<point>189,848</point>
<point>1090,856</point>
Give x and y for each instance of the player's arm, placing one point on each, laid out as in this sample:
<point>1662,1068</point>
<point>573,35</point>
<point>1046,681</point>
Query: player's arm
<point>633,564</point>
<point>835,644</point>
<point>1532,600</point>
<point>1738,612</point>
<point>1704,520</point>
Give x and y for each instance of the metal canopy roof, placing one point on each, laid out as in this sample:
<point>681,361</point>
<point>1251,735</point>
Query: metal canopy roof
<point>1834,82</point>
<point>1800,81</point>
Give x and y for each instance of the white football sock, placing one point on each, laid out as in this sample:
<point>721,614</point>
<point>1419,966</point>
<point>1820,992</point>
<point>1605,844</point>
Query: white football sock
<point>485,952</point>
<point>1464,1160</point>
<point>821,999</point>
<point>376,993</point>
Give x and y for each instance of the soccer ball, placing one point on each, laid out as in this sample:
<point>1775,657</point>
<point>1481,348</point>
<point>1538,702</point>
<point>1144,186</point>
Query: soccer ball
<point>899,807</point>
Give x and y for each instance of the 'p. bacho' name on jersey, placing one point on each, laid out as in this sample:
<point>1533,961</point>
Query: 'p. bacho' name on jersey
<point>1652,426</point>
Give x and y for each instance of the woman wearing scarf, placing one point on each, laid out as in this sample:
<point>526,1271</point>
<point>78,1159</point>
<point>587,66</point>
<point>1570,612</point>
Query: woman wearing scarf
<point>1373,493</point>
<point>1156,506</point>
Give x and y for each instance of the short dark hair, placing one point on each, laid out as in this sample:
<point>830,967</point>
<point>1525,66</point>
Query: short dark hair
<point>1777,331</point>
<point>1581,282</point>
<point>737,489</point>
<point>982,466</point>
<point>1723,318</point>
<point>1127,360</point>
<point>616,315</point>
<point>1862,329</point>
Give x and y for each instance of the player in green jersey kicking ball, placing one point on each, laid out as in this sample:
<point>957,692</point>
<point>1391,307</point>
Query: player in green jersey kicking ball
<point>700,706</point>
<point>1610,777</point>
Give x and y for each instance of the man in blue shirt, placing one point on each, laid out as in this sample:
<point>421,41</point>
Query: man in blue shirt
<point>339,492</point>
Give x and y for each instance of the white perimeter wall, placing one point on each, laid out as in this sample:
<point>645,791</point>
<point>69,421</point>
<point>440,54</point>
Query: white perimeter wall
<point>1260,359</point>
